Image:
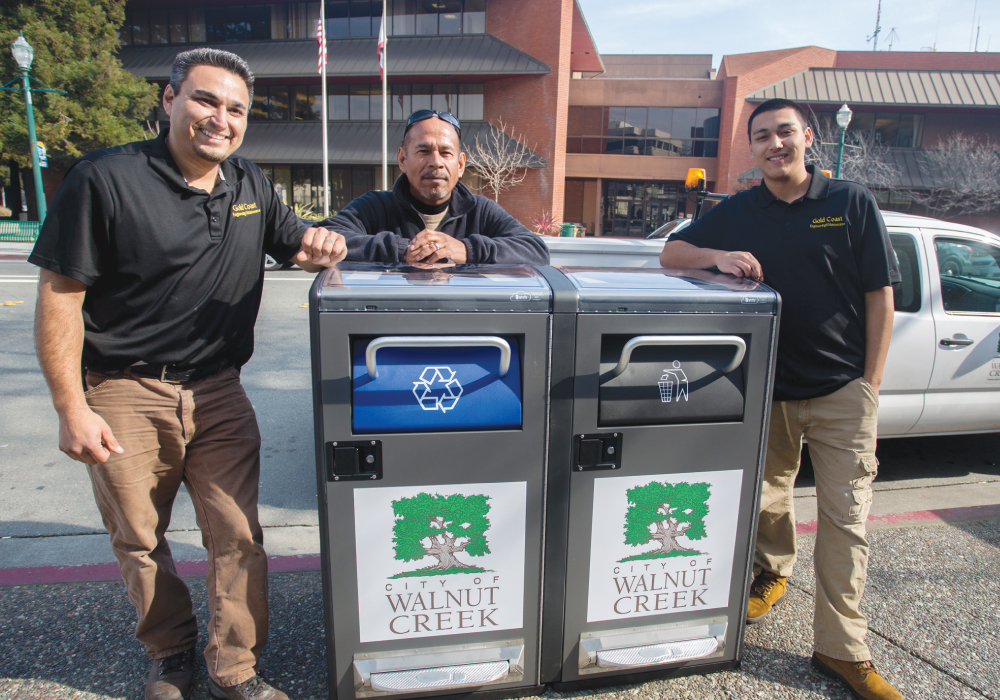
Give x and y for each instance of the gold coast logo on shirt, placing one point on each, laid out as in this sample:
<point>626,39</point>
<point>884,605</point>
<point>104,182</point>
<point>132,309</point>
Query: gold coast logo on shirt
<point>827,221</point>
<point>245,209</point>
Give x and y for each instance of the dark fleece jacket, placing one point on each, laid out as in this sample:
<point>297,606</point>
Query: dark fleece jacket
<point>379,225</point>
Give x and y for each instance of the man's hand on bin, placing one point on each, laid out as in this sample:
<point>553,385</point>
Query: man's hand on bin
<point>433,246</point>
<point>320,248</point>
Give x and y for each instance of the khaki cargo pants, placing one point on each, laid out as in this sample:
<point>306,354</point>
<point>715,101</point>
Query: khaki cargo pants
<point>202,433</point>
<point>841,431</point>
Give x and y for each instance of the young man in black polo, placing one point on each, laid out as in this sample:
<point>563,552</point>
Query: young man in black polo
<point>152,273</point>
<point>429,216</point>
<point>822,245</point>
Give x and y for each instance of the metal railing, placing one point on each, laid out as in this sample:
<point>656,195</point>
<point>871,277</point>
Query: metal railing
<point>18,231</point>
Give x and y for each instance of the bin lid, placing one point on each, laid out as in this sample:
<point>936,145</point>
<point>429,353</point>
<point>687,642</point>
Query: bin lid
<point>400,287</point>
<point>661,290</point>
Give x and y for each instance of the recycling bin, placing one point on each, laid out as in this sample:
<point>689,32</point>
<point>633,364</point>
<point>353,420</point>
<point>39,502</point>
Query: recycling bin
<point>658,475</point>
<point>430,397</point>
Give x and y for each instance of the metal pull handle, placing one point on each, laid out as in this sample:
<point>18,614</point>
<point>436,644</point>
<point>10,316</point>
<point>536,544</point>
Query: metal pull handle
<point>675,340</point>
<point>437,341</point>
<point>953,342</point>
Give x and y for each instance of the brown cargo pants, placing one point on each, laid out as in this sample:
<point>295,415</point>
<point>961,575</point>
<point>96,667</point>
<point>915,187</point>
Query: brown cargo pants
<point>202,433</point>
<point>841,430</point>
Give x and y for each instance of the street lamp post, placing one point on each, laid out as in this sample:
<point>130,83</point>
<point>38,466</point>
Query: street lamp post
<point>23,54</point>
<point>843,120</point>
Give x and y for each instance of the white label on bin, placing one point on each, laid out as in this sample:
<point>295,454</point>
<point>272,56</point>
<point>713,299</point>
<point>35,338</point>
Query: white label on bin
<point>436,560</point>
<point>662,544</point>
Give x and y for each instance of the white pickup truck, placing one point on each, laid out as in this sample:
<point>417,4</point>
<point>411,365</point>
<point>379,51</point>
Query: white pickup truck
<point>943,371</point>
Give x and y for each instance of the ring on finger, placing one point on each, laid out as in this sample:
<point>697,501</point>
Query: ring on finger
<point>437,246</point>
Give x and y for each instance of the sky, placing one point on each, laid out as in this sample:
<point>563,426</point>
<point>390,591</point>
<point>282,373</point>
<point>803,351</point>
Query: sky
<point>723,27</point>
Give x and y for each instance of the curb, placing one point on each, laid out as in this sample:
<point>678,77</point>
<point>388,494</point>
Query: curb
<point>34,575</point>
<point>917,517</point>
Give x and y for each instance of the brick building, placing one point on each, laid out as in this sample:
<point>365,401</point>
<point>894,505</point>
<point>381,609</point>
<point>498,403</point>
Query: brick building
<point>482,60</point>
<point>909,101</point>
<point>614,134</point>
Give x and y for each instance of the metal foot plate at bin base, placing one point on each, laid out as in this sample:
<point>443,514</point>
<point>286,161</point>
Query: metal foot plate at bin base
<point>438,668</point>
<point>613,651</point>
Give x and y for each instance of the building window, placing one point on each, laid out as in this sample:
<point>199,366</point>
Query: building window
<point>636,209</point>
<point>649,131</point>
<point>892,129</point>
<point>364,102</point>
<point>297,20</point>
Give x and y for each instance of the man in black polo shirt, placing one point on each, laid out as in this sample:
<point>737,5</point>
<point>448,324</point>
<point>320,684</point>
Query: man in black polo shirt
<point>822,245</point>
<point>152,272</point>
<point>429,216</point>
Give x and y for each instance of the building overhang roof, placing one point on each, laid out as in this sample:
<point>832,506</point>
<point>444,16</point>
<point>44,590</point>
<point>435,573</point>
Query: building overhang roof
<point>478,54</point>
<point>350,143</point>
<point>897,88</point>
<point>583,57</point>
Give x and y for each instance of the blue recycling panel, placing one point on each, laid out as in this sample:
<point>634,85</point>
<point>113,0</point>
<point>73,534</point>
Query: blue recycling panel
<point>436,389</point>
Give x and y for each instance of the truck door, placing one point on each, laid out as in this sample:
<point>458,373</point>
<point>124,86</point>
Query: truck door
<point>964,392</point>
<point>911,352</point>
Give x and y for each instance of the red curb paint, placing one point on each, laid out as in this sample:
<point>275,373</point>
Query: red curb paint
<point>31,575</point>
<point>917,517</point>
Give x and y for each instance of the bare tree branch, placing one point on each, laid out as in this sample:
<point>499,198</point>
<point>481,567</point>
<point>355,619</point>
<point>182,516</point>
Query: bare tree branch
<point>866,159</point>
<point>501,160</point>
<point>965,171</point>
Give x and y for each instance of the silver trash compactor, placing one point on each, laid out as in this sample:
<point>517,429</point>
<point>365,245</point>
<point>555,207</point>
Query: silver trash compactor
<point>533,476</point>
<point>430,401</point>
<point>658,480</point>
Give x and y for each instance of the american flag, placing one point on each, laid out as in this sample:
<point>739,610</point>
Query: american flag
<point>321,42</point>
<point>381,48</point>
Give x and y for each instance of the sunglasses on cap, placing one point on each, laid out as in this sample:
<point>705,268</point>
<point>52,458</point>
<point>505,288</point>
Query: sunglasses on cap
<point>422,114</point>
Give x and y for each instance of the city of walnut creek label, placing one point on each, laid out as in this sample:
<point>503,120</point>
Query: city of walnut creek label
<point>662,544</point>
<point>438,560</point>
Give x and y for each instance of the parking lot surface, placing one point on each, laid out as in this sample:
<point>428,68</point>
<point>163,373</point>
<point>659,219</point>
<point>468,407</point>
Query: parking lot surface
<point>933,604</point>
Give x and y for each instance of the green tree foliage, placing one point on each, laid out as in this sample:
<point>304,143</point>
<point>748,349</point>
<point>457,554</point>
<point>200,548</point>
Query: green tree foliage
<point>440,526</point>
<point>75,43</point>
<point>664,512</point>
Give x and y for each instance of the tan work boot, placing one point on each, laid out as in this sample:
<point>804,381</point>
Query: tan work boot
<point>861,677</point>
<point>765,592</point>
<point>253,689</point>
<point>170,677</point>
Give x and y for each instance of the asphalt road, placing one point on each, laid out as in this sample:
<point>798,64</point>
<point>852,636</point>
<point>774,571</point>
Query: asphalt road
<point>932,595</point>
<point>44,493</point>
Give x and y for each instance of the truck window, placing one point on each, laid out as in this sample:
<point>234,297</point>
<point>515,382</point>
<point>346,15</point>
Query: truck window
<point>970,275</point>
<point>906,294</point>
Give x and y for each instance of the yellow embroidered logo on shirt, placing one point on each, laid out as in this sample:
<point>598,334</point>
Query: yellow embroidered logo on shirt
<point>245,209</point>
<point>825,221</point>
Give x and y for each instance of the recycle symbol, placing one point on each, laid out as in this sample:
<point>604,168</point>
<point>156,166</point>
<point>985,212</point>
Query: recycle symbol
<point>438,389</point>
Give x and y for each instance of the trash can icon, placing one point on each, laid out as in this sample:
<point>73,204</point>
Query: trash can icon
<point>673,384</point>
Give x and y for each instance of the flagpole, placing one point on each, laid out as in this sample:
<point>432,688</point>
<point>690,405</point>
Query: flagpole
<point>385,105</point>
<point>326,150</point>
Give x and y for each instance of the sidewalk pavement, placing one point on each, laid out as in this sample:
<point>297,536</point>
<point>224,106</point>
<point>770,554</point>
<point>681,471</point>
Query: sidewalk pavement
<point>933,604</point>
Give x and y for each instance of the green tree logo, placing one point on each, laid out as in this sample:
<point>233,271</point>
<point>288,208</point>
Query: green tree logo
<point>441,526</point>
<point>664,512</point>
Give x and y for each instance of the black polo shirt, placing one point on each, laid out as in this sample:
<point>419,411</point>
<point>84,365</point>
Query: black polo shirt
<point>174,274</point>
<point>821,253</point>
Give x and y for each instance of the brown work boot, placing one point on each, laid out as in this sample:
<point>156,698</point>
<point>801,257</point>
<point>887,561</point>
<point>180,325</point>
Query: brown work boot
<point>170,677</point>
<point>765,592</point>
<point>861,677</point>
<point>252,689</point>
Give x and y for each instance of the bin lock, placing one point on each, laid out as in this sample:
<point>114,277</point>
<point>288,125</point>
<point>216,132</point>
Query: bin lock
<point>614,650</point>
<point>438,668</point>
